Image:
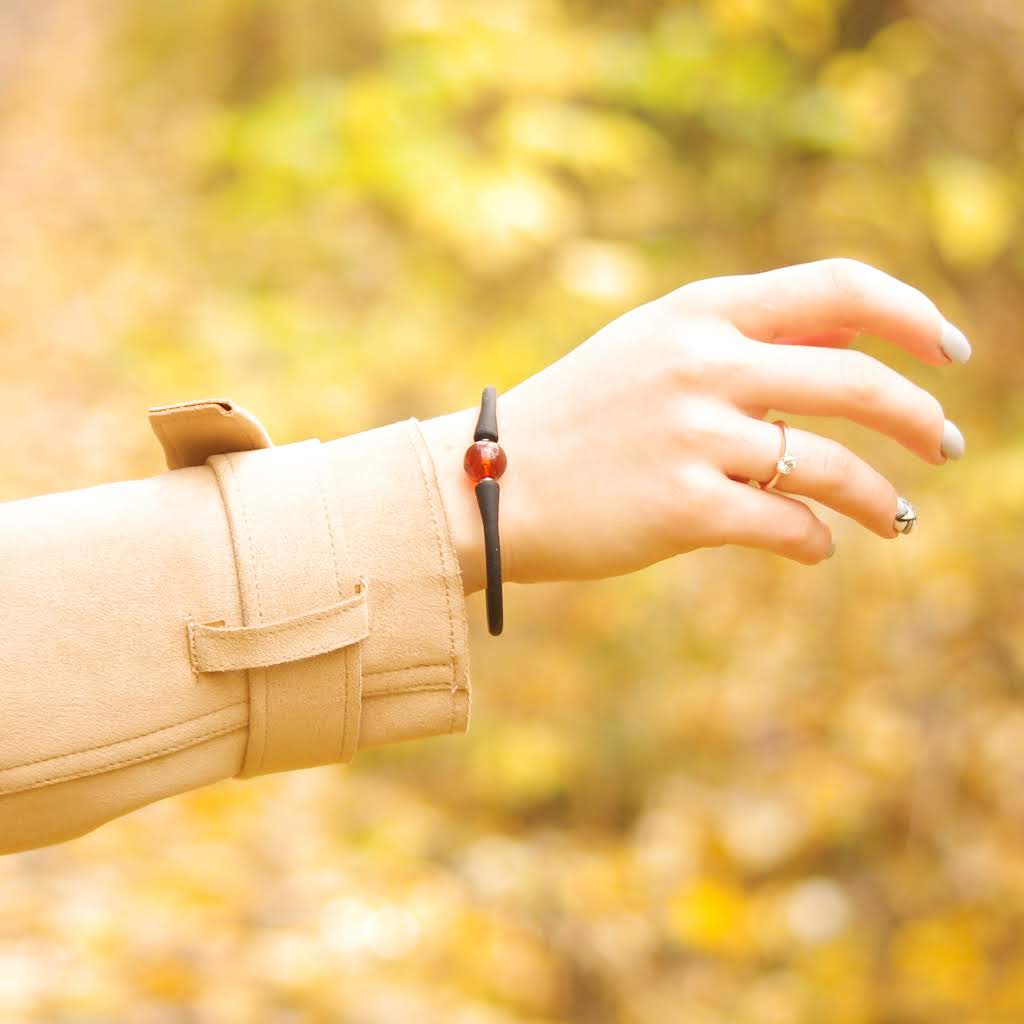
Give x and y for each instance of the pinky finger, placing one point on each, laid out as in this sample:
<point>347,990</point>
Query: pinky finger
<point>751,517</point>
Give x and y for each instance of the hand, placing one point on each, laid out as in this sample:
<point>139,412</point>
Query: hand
<point>638,444</point>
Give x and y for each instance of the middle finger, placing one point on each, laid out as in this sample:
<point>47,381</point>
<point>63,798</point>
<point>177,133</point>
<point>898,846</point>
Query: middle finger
<point>815,381</point>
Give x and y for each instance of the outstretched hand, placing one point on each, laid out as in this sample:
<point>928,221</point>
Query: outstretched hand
<point>641,442</point>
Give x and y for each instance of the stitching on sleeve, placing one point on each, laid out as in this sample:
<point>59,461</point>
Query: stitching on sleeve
<point>192,650</point>
<point>406,668</point>
<point>138,759</point>
<point>229,462</point>
<point>417,688</point>
<point>350,603</point>
<point>444,566</point>
<point>128,739</point>
<point>319,468</point>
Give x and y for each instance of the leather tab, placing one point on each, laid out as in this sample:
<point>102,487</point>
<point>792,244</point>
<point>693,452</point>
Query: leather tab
<point>214,647</point>
<point>191,432</point>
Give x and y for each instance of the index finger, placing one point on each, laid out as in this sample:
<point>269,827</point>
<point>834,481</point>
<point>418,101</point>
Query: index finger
<point>830,295</point>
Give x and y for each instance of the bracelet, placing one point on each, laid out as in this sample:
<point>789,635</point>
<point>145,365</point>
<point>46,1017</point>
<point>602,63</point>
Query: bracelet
<point>485,461</point>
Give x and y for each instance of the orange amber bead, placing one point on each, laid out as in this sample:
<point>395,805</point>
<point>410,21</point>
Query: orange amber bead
<point>483,459</point>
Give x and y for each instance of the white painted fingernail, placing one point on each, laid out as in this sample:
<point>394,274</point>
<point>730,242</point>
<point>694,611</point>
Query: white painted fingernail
<point>952,441</point>
<point>954,343</point>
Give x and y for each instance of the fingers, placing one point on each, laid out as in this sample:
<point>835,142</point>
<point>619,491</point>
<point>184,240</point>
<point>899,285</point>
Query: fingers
<point>825,471</point>
<point>828,382</point>
<point>812,298</point>
<point>769,520</point>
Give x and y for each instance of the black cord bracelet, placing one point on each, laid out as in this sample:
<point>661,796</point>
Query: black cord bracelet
<point>485,461</point>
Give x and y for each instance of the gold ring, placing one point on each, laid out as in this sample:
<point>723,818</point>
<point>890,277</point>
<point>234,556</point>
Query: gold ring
<point>786,462</point>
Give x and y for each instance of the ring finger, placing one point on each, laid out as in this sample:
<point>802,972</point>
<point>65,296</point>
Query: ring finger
<point>823,470</point>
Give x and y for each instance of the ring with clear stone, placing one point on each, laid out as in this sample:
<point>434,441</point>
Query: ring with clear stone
<point>786,462</point>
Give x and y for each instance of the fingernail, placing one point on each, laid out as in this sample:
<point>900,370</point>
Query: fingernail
<point>952,441</point>
<point>906,517</point>
<point>954,343</point>
<point>832,549</point>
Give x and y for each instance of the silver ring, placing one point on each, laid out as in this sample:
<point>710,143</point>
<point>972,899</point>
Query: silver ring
<point>906,516</point>
<point>786,462</point>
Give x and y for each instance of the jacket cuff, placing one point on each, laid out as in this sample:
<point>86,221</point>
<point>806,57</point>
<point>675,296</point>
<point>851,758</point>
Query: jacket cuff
<point>415,657</point>
<point>405,673</point>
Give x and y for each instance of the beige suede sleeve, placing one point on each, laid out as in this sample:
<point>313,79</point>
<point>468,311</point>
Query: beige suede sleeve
<point>259,609</point>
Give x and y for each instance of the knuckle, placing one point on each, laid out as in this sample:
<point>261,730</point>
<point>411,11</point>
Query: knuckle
<point>673,339</point>
<point>732,353</point>
<point>848,276</point>
<point>838,465</point>
<point>692,483</point>
<point>861,377</point>
<point>691,296</point>
<point>698,426</point>
<point>692,504</point>
<point>690,364</point>
<point>646,325</point>
<point>702,351</point>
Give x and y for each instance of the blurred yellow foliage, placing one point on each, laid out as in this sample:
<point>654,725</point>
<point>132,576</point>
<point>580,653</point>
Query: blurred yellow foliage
<point>973,209</point>
<point>725,790</point>
<point>711,915</point>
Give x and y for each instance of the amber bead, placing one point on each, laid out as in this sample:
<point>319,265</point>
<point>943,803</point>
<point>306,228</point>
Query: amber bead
<point>484,459</point>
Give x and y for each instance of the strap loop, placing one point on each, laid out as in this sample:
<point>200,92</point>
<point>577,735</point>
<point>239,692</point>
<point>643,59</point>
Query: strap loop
<point>214,647</point>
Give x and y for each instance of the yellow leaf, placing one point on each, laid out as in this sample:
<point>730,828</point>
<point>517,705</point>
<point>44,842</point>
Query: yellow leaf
<point>972,210</point>
<point>711,914</point>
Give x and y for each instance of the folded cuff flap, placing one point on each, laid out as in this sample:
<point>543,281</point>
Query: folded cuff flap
<point>190,432</point>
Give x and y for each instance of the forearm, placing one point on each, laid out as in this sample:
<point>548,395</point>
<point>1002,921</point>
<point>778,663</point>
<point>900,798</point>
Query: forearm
<point>109,699</point>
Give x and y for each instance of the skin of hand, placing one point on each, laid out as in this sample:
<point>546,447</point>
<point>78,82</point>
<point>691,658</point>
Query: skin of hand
<point>640,443</point>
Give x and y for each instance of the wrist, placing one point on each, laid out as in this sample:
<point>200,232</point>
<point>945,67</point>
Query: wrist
<point>446,438</point>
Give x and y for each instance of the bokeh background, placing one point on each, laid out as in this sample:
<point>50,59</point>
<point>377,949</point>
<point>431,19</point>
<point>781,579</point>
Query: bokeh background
<point>724,789</point>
